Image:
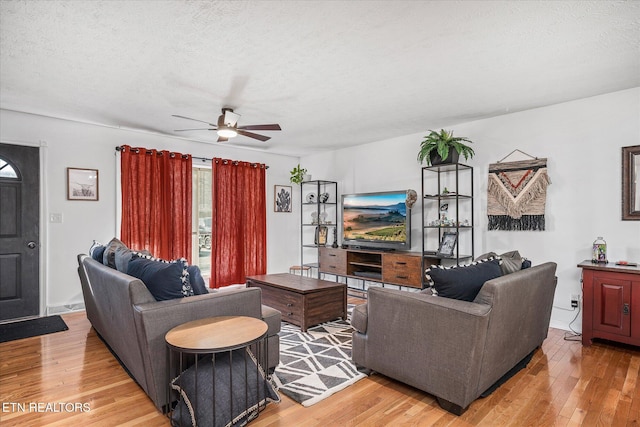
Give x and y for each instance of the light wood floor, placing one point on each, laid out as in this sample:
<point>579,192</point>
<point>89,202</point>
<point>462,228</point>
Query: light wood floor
<point>565,384</point>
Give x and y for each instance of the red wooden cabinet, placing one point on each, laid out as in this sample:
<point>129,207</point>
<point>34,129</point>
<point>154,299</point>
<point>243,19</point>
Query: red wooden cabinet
<point>611,303</point>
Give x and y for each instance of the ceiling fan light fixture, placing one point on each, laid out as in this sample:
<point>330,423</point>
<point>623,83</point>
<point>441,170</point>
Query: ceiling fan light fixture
<point>227,132</point>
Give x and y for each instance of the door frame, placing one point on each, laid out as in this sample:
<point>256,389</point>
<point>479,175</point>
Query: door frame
<point>44,225</point>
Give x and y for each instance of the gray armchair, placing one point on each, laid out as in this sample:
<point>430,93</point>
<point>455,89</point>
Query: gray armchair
<point>452,349</point>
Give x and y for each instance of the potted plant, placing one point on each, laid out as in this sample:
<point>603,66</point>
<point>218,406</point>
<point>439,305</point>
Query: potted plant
<point>298,175</point>
<point>442,147</point>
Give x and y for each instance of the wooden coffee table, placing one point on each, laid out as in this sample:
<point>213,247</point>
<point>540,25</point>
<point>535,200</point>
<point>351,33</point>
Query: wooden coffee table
<point>303,301</point>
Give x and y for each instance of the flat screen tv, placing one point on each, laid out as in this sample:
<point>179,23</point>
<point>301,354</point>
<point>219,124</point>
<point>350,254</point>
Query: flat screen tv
<point>376,220</point>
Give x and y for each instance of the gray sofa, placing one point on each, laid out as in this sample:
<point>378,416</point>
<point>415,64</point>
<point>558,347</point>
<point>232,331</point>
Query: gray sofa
<point>452,349</point>
<point>133,324</point>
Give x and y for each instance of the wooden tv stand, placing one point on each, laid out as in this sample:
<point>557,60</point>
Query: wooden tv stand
<point>395,268</point>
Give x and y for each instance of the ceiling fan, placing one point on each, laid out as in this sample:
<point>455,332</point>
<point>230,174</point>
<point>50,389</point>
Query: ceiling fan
<point>227,126</point>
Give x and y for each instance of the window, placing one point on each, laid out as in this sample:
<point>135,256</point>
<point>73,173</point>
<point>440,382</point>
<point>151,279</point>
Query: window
<point>201,222</point>
<point>6,170</point>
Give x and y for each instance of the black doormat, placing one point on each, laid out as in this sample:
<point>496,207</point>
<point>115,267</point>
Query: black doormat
<point>31,328</point>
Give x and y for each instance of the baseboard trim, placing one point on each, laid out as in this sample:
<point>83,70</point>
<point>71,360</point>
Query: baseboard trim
<point>67,308</point>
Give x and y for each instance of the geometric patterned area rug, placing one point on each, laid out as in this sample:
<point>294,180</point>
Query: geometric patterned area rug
<point>316,364</point>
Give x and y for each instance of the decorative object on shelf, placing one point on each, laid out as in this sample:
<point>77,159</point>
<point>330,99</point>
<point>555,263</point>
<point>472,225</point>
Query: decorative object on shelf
<point>321,235</point>
<point>311,198</point>
<point>444,210</point>
<point>335,238</point>
<point>82,184</point>
<point>412,196</point>
<point>282,198</point>
<point>443,147</point>
<point>314,217</point>
<point>517,193</point>
<point>298,175</point>
<point>599,251</point>
<point>323,217</point>
<point>447,244</point>
<point>324,197</point>
<point>631,183</point>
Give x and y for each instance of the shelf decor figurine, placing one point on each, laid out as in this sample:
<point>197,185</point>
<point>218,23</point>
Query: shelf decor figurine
<point>444,148</point>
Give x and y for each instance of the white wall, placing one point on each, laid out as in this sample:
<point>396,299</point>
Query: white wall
<point>90,146</point>
<point>580,139</point>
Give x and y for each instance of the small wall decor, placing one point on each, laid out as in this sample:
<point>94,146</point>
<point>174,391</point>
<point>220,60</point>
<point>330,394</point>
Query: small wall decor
<point>321,235</point>
<point>82,184</point>
<point>282,198</point>
<point>517,194</point>
<point>631,183</point>
<point>447,244</point>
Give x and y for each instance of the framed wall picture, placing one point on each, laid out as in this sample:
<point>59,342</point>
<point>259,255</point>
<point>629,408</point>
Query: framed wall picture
<point>282,198</point>
<point>447,244</point>
<point>82,184</point>
<point>321,235</point>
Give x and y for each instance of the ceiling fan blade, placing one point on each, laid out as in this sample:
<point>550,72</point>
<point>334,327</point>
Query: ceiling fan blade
<point>253,135</point>
<point>222,139</point>
<point>182,130</point>
<point>195,120</point>
<point>261,127</point>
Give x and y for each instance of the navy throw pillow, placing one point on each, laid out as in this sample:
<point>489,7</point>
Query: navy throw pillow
<point>165,280</point>
<point>463,282</point>
<point>197,281</point>
<point>526,263</point>
<point>98,253</point>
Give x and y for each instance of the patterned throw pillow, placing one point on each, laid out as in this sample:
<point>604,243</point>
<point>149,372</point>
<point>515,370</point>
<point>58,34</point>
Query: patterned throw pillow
<point>165,279</point>
<point>463,282</point>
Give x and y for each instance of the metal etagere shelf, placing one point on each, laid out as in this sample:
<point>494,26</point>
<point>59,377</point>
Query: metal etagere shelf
<point>435,183</point>
<point>316,231</point>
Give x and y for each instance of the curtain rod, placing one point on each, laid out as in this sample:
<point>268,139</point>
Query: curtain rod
<point>204,159</point>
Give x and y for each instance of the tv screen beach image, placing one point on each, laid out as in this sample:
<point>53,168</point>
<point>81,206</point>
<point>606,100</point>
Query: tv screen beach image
<point>380,217</point>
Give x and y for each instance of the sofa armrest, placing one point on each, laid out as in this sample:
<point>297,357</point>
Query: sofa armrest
<point>153,320</point>
<point>429,342</point>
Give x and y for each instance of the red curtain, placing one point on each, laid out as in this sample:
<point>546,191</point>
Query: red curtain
<point>156,202</point>
<point>239,223</point>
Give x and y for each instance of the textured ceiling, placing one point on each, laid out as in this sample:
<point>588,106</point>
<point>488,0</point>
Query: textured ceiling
<point>331,73</point>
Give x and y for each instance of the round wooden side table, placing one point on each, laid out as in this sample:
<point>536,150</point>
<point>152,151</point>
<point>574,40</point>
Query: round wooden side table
<point>212,336</point>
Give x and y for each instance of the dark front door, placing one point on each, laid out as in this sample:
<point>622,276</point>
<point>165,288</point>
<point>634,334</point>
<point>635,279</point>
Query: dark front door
<point>19,231</point>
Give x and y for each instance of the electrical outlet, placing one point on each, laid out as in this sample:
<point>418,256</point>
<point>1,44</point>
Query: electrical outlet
<point>575,300</point>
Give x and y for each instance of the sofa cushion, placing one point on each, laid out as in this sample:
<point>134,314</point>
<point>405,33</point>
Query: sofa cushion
<point>273,319</point>
<point>359,318</point>
<point>463,282</point>
<point>165,280</point>
<point>197,281</point>
<point>109,257</point>
<point>511,261</point>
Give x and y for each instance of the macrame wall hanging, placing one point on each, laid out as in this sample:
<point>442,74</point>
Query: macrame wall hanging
<point>517,194</point>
